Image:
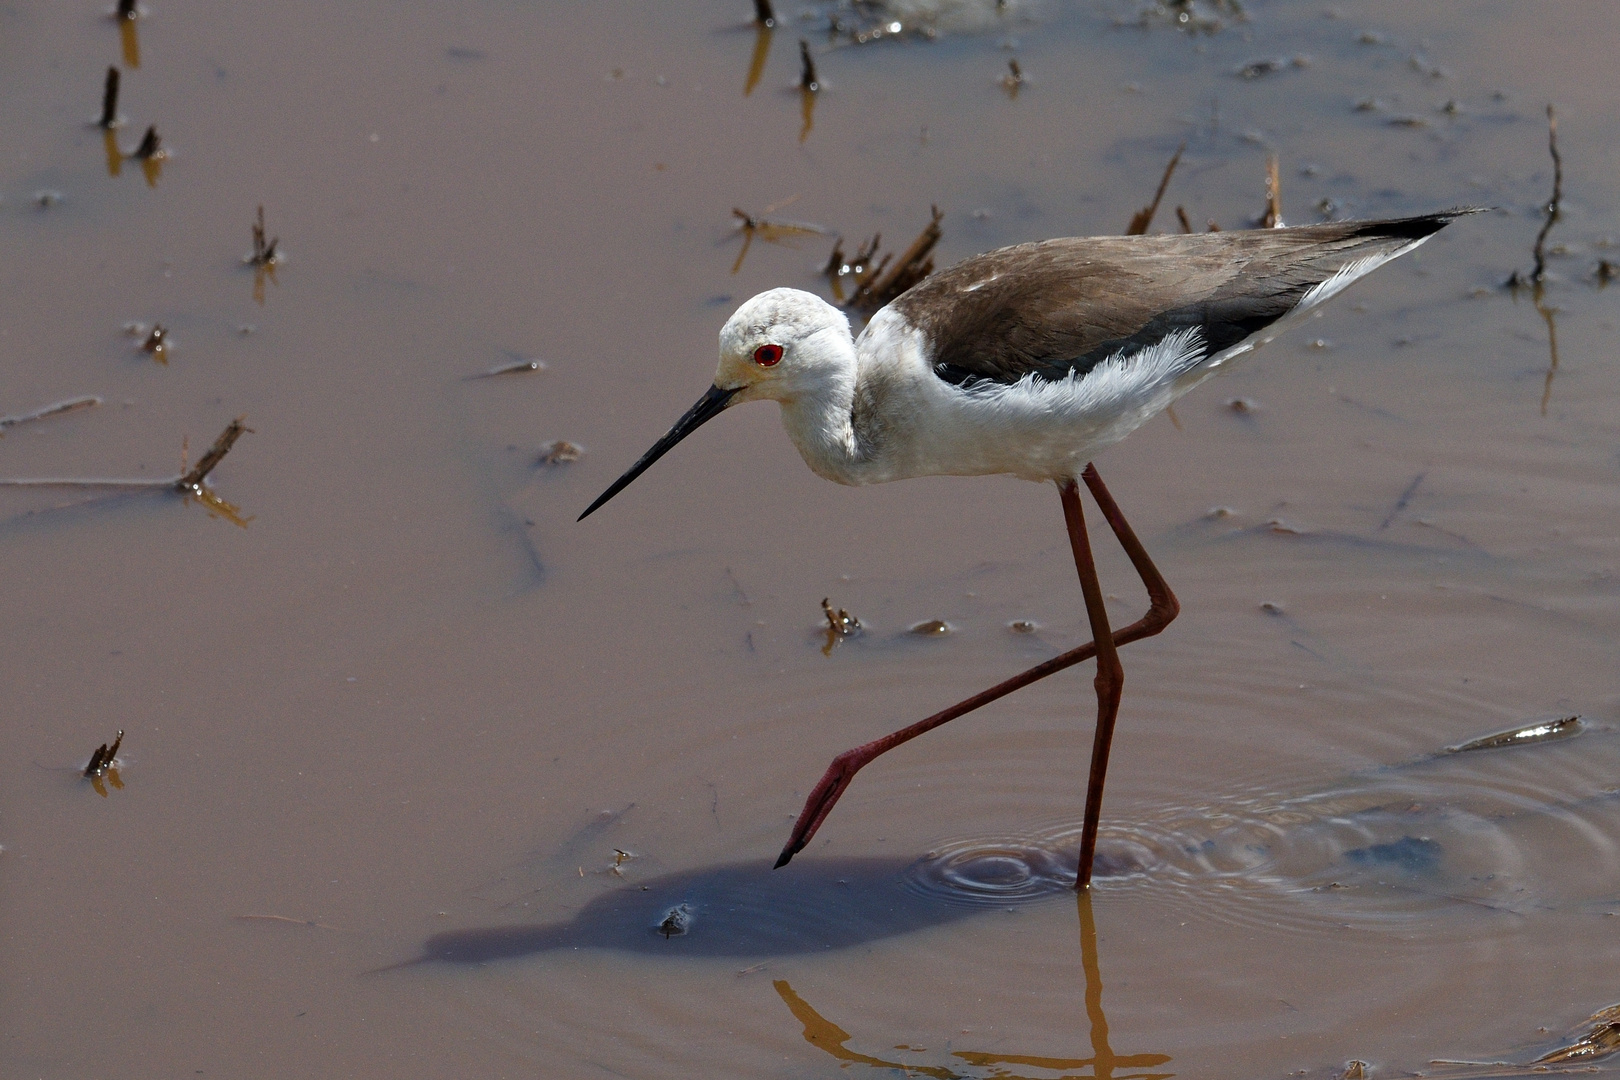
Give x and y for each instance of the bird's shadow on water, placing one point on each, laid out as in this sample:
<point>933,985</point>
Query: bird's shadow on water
<point>747,909</point>
<point>1377,834</point>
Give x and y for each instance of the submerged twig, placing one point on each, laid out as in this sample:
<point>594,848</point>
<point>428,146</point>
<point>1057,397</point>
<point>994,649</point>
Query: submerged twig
<point>514,368</point>
<point>56,409</point>
<point>109,101</point>
<point>1400,503</point>
<point>1144,217</point>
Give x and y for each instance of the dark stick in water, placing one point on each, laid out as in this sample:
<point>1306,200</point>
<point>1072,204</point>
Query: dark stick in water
<point>109,100</point>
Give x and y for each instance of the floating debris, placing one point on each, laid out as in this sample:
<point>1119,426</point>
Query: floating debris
<point>109,101</point>
<point>1243,405</point>
<point>57,409</point>
<point>1023,626</point>
<point>45,198</point>
<point>1256,69</point>
<point>1601,1039</point>
<point>1215,513</point>
<point>840,622</point>
<point>931,628</point>
<point>156,343</point>
<point>559,452</point>
<point>1271,607</point>
<point>1548,730</point>
<point>1288,528</point>
<point>104,758</point>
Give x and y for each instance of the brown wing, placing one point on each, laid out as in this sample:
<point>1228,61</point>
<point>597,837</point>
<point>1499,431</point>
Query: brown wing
<point>1066,305</point>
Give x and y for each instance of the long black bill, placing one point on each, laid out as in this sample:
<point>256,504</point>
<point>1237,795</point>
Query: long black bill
<point>707,408</point>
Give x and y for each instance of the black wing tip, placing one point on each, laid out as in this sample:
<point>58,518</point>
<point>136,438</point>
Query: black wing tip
<point>1419,226</point>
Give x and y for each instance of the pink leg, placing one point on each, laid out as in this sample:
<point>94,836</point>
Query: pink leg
<point>1162,608</point>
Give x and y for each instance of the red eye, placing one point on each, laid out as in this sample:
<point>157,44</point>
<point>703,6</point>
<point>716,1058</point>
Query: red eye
<point>768,355</point>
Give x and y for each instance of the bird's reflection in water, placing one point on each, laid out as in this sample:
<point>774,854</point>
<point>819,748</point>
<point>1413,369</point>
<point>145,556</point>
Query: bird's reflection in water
<point>1103,1064</point>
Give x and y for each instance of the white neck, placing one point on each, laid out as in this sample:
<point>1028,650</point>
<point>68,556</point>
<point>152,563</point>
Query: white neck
<point>819,414</point>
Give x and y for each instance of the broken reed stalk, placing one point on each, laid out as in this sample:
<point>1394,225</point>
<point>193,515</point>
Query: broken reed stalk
<point>109,101</point>
<point>1552,209</point>
<point>187,483</point>
<point>884,283</point>
<point>1272,219</point>
<point>807,69</point>
<point>56,409</point>
<point>763,15</point>
<point>1144,217</point>
<point>1181,216</point>
<point>151,145</point>
<point>263,253</point>
<point>126,10</point>
<point>103,758</point>
<point>216,453</point>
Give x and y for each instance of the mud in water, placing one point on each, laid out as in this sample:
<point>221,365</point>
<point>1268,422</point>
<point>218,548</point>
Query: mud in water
<point>419,777</point>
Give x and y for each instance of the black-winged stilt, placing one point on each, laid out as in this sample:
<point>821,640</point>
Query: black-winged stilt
<point>1028,361</point>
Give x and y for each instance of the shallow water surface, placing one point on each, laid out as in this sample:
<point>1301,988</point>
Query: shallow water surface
<point>422,778</point>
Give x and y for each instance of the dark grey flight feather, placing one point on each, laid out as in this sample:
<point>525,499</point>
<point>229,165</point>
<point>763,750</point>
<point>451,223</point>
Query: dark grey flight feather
<point>1067,305</point>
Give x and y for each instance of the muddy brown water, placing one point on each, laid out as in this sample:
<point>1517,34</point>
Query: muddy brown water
<point>382,743</point>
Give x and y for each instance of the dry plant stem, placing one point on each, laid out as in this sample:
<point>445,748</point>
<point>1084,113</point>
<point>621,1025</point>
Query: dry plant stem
<point>109,100</point>
<point>807,69</point>
<point>763,15</point>
<point>215,455</point>
<point>1273,219</point>
<point>150,145</point>
<point>57,409</point>
<point>188,482</point>
<point>879,286</point>
<point>1181,216</point>
<point>1540,270</point>
<point>1144,217</point>
<point>1163,607</point>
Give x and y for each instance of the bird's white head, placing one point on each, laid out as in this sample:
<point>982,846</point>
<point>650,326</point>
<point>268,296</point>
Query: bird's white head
<point>783,344</point>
